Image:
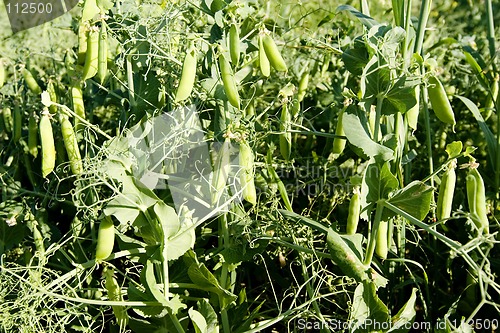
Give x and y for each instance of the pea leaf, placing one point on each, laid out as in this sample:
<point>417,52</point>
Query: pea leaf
<point>401,322</point>
<point>367,309</point>
<point>454,149</point>
<point>358,135</point>
<point>401,97</point>
<point>367,21</point>
<point>415,199</point>
<point>210,316</point>
<point>199,322</point>
<point>90,10</point>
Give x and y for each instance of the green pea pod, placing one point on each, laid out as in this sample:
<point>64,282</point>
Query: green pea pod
<point>285,135</point>
<point>234,44</point>
<point>82,43</point>
<point>476,197</point>
<point>412,114</point>
<point>30,81</point>
<point>18,123</point>
<point>105,239</point>
<point>265,66</point>
<point>78,106</point>
<point>8,119</point>
<point>440,102</point>
<point>92,54</point>
<point>188,76</point>
<point>71,145</point>
<point>114,294</point>
<point>2,73</point>
<point>273,54</point>
<point>303,83</point>
<point>51,89</point>
<point>229,82</point>
<point>339,143</point>
<point>353,217</point>
<point>246,160</point>
<point>221,171</point>
<point>446,191</point>
<point>33,135</point>
<point>102,57</point>
<point>47,143</point>
<point>382,244</point>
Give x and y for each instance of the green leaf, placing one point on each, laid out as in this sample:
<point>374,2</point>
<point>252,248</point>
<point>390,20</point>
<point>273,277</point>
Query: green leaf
<point>414,199</point>
<point>90,10</point>
<point>367,310</point>
<point>199,322</point>
<point>134,294</point>
<point>490,138</point>
<point>358,135</point>
<point>401,97</point>
<point>378,182</point>
<point>210,316</point>
<point>375,79</point>
<point>205,280</point>
<point>355,58</point>
<point>401,322</point>
<point>105,5</point>
<point>454,149</point>
<point>367,21</point>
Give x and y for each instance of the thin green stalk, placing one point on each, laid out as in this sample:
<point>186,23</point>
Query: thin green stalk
<point>364,7</point>
<point>491,32</point>
<point>224,241</point>
<point>372,237</point>
<point>425,10</point>
<point>130,82</point>
<point>378,115</point>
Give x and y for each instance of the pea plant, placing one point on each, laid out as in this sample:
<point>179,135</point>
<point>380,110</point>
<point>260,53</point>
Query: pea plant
<point>246,166</point>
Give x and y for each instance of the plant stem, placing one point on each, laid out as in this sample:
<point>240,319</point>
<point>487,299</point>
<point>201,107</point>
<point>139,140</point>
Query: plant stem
<point>372,238</point>
<point>224,241</point>
<point>378,115</point>
<point>425,10</point>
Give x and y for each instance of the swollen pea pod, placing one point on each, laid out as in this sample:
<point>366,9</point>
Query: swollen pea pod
<point>229,82</point>
<point>82,43</point>
<point>30,81</point>
<point>7,119</point>
<point>114,294</point>
<point>33,135</point>
<point>265,66</point>
<point>18,122</point>
<point>246,159</point>
<point>188,76</point>
<point>446,192</point>
<point>47,143</point>
<point>440,102</point>
<point>273,54</point>
<point>354,210</point>
<point>71,145</point>
<point>92,54</point>
<point>2,73</point>
<point>234,44</point>
<point>221,171</point>
<point>102,57</point>
<point>382,244</point>
<point>285,136</point>
<point>303,83</point>
<point>476,197</point>
<point>78,106</point>
<point>105,239</point>
<point>412,114</point>
<point>339,143</point>
<point>51,89</point>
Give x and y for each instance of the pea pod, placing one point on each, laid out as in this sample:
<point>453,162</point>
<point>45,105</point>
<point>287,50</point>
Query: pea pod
<point>33,135</point>
<point>82,43</point>
<point>188,76</point>
<point>303,83</point>
<point>105,239</point>
<point>476,197</point>
<point>71,145</point>
<point>51,89</point>
<point>246,159</point>
<point>221,171</point>
<point>102,57</point>
<point>273,54</point>
<point>446,191</point>
<point>47,143</point>
<point>229,82</point>
<point>114,294</point>
<point>30,81</point>
<point>7,119</point>
<point>2,73</point>
<point>18,123</point>
<point>265,66</point>
<point>382,244</point>
<point>439,101</point>
<point>354,210</point>
<point>92,54</point>
<point>285,136</point>
<point>412,114</point>
<point>234,44</point>
<point>78,106</point>
<point>339,143</point>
